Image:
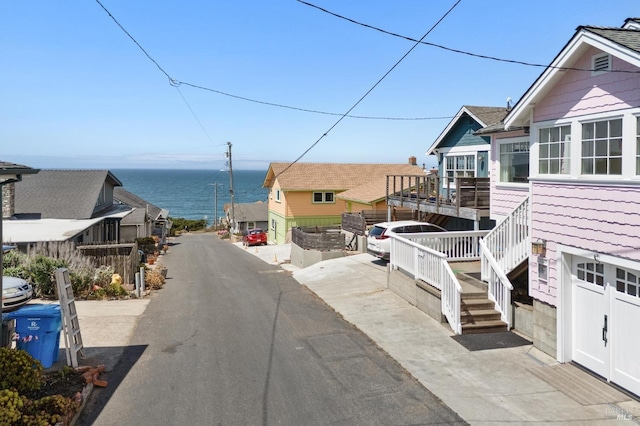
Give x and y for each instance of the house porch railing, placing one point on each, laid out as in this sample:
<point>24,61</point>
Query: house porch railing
<point>435,194</point>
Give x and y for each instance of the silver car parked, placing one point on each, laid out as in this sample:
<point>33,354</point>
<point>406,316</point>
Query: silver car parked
<point>15,293</point>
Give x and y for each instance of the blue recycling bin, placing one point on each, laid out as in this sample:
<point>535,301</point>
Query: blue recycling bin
<point>38,327</point>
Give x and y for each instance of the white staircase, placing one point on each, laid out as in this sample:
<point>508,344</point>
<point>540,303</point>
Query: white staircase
<point>503,249</point>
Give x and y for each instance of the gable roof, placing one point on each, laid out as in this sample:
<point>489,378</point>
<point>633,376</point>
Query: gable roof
<point>331,176</point>
<point>250,212</point>
<point>623,43</point>
<point>484,116</point>
<point>61,194</point>
<point>132,200</point>
<point>369,193</point>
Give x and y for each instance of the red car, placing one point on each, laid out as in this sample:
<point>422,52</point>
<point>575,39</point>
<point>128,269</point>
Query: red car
<point>254,237</point>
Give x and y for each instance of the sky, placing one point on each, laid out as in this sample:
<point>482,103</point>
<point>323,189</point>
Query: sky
<point>79,93</point>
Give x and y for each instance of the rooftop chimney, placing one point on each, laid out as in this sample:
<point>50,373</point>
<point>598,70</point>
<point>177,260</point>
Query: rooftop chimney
<point>8,200</point>
<point>413,161</point>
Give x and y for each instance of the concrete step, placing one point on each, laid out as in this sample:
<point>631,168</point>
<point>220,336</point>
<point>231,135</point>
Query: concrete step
<point>484,327</point>
<point>476,304</point>
<point>472,293</point>
<point>474,316</point>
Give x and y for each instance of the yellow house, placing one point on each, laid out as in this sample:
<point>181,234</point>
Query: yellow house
<point>306,194</point>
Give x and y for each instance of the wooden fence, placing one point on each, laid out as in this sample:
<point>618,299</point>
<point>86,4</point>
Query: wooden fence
<point>123,258</point>
<point>318,238</point>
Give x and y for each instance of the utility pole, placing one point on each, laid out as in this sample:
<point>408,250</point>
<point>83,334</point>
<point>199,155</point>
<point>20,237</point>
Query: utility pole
<point>233,216</point>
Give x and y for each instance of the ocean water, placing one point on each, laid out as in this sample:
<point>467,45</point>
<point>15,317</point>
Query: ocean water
<point>190,194</point>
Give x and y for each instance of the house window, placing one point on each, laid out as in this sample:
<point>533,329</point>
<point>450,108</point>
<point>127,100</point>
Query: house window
<point>460,166</point>
<point>273,224</point>
<point>277,195</point>
<point>542,270</point>
<point>514,161</point>
<point>554,146</point>
<point>251,225</point>
<point>602,147</point>
<point>628,282</point>
<point>600,64</point>
<point>591,272</point>
<point>638,145</point>
<point>323,197</point>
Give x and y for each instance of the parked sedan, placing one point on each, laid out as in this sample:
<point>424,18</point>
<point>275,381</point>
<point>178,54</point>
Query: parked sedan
<point>15,293</point>
<point>254,237</point>
<point>378,243</point>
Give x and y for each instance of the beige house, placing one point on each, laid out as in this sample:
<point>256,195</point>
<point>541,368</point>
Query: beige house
<point>310,194</point>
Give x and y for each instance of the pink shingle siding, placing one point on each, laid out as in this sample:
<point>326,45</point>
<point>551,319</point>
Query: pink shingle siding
<point>504,197</point>
<point>579,93</point>
<point>505,200</point>
<point>603,219</point>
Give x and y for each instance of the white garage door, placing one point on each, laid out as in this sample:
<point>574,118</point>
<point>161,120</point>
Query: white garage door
<point>606,315</point>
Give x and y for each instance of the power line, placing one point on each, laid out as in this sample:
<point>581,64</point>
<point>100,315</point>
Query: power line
<point>176,83</point>
<point>371,89</point>
<point>475,55</point>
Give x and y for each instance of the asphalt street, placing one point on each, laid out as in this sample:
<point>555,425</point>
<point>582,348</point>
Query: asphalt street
<point>233,340</point>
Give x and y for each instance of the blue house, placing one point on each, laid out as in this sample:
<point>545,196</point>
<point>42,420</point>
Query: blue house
<point>460,151</point>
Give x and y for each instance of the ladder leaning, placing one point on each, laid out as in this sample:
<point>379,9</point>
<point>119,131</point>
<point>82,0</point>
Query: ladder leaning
<point>70,324</point>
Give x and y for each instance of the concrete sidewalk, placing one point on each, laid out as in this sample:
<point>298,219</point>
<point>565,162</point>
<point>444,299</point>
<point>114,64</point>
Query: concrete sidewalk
<point>512,385</point>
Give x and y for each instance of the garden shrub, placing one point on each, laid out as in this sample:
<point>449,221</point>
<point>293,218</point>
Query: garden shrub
<point>19,370</point>
<point>41,271</point>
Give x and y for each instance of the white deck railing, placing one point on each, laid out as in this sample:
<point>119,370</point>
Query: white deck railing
<point>457,245</point>
<point>426,264</point>
<point>508,242</point>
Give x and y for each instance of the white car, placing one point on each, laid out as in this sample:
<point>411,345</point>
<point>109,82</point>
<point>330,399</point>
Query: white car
<point>378,243</point>
<point>15,293</point>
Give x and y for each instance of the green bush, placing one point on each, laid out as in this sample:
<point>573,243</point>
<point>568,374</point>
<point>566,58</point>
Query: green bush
<point>41,270</point>
<point>147,244</point>
<point>179,224</point>
<point>19,370</point>
<point>81,280</point>
<point>13,259</point>
<point>102,276</point>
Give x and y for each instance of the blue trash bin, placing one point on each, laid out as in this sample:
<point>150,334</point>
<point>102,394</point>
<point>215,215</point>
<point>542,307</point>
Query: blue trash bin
<point>38,327</point>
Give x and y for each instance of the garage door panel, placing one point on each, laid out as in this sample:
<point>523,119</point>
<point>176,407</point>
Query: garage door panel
<point>624,335</point>
<point>589,348</point>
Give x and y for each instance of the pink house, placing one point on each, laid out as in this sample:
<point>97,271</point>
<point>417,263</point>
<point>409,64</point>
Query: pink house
<point>569,156</point>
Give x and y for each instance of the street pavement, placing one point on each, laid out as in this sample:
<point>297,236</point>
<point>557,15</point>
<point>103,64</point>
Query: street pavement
<point>519,385</point>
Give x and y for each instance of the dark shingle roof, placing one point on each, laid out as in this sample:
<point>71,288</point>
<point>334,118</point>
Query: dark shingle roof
<point>251,212</point>
<point>61,194</point>
<point>488,115</point>
<point>132,200</point>
<point>628,38</point>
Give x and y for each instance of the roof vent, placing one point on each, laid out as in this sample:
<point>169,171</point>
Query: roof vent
<point>600,63</point>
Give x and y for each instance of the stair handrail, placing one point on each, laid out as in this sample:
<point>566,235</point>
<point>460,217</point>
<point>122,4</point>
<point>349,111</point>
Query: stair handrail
<point>508,241</point>
<point>450,296</point>
<point>499,287</point>
<point>431,266</point>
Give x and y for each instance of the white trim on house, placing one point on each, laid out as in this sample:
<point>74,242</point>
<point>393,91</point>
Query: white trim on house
<point>581,42</point>
<point>446,130</point>
<point>629,136</point>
